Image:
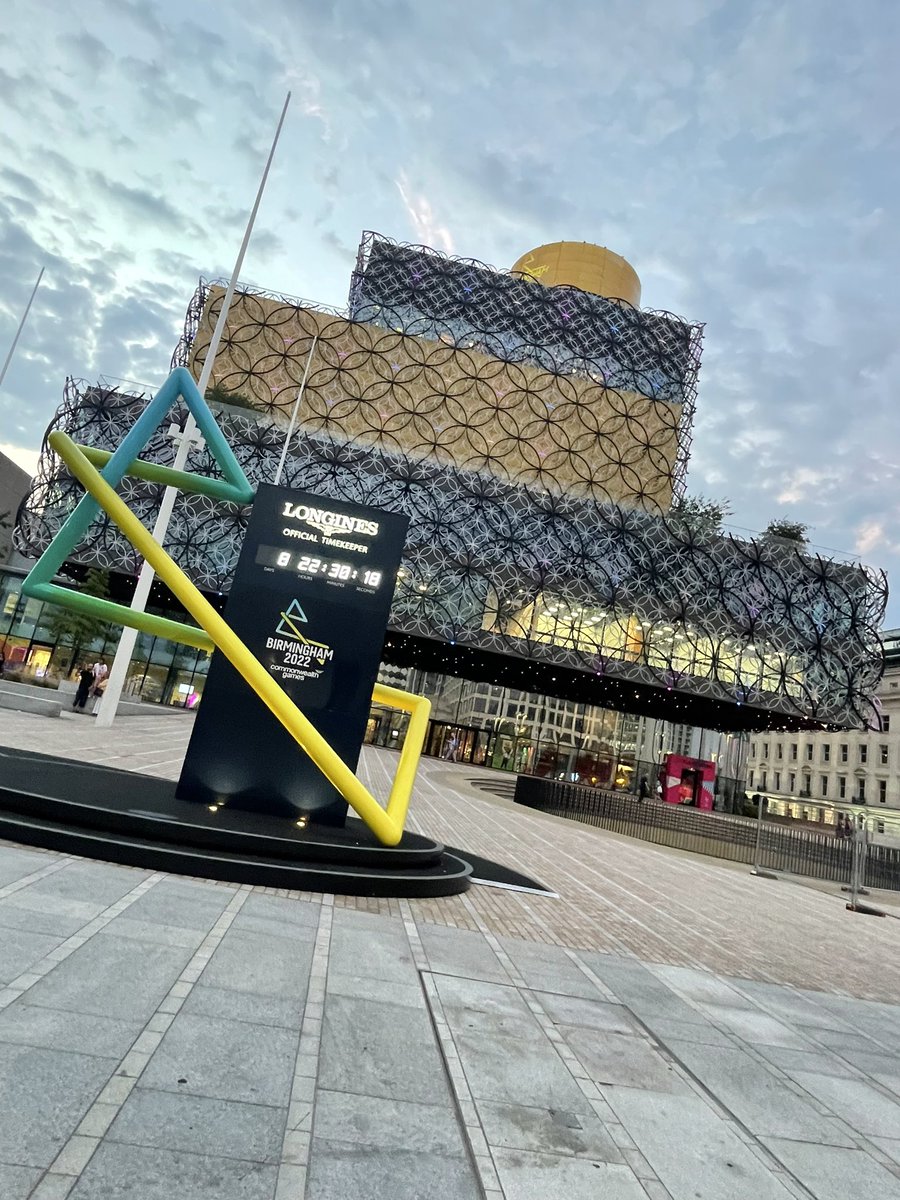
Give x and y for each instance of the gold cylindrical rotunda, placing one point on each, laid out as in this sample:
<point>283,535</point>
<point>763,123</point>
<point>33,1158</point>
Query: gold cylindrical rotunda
<point>582,265</point>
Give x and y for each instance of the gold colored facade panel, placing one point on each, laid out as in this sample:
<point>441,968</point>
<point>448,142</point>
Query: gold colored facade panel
<point>429,399</point>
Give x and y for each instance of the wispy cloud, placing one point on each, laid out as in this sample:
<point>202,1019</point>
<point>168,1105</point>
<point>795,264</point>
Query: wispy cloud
<point>428,229</point>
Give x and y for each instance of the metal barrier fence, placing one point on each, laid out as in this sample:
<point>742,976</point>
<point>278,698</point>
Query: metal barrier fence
<point>798,851</point>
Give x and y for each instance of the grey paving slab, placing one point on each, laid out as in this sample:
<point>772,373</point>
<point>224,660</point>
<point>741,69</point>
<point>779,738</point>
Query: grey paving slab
<point>590,1014</point>
<point>527,1176</point>
<point>644,994</point>
<point>229,1060</point>
<point>181,905</point>
<point>16,1182</point>
<point>200,1125</point>
<point>883,1067</point>
<point>113,977</point>
<point>376,1049</point>
<point>880,1022</point>
<point>389,1124</point>
<point>705,1034</point>
<point>461,952</point>
<point>700,986</point>
<point>21,949</point>
<point>45,1094</point>
<point>16,863</point>
<point>338,1171</point>
<point>755,1096</point>
<point>56,915</point>
<point>695,1154</point>
<point>518,1071</point>
<point>54,1029</point>
<point>756,1027</point>
<point>841,1041</point>
<point>801,1009</point>
<point>93,882</point>
<point>284,1011</point>
<point>480,1007</point>
<point>278,915</point>
<point>620,1058</point>
<point>551,1131</point>
<point>836,1173</point>
<point>360,987</point>
<point>261,964</point>
<point>547,968</point>
<point>152,931</point>
<point>371,947</point>
<point>890,1146</point>
<point>819,1062</point>
<point>123,1172</point>
<point>859,1103</point>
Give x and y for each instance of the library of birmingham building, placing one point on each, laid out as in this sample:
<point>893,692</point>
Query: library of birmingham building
<point>535,426</point>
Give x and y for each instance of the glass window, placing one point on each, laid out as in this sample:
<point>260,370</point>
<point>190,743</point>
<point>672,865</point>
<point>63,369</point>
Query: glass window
<point>762,780</point>
<point>863,754</point>
<point>793,751</point>
<point>884,755</point>
<point>753,749</point>
<point>886,720</point>
<point>779,750</point>
<point>826,753</point>
<point>751,778</point>
<point>792,782</point>
<point>777,784</point>
<point>882,791</point>
<point>765,753</point>
<point>842,787</point>
<point>844,751</point>
<point>823,785</point>
<point>861,789</point>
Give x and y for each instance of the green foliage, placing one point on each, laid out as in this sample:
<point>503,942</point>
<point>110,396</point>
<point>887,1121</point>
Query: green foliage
<point>699,515</point>
<point>76,629</point>
<point>219,394</point>
<point>787,530</point>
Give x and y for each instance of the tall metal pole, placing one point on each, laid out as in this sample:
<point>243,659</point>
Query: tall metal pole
<point>297,403</point>
<point>186,438</point>
<point>15,340</point>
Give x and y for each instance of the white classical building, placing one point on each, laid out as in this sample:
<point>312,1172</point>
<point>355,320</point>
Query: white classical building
<point>835,769</point>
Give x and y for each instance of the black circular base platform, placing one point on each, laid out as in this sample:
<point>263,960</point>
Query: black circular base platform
<point>100,812</point>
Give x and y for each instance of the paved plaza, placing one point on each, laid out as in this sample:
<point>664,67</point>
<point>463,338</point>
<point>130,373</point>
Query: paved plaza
<point>666,1026</point>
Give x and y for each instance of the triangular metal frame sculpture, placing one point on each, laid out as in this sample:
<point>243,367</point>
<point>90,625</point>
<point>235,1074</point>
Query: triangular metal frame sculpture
<point>214,633</point>
<point>235,487</point>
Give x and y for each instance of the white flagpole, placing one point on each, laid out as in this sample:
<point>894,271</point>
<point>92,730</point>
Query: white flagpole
<point>15,340</point>
<point>297,403</point>
<point>186,438</point>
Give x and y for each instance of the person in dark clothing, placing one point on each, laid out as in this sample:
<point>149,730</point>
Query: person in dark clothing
<point>85,683</point>
<point>643,788</point>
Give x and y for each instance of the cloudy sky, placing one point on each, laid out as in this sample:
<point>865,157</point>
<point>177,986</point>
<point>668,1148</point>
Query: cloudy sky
<point>742,154</point>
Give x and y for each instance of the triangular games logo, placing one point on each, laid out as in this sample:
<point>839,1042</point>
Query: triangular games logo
<point>289,627</point>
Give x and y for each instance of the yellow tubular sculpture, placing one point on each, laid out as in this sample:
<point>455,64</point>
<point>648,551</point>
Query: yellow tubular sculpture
<point>386,823</point>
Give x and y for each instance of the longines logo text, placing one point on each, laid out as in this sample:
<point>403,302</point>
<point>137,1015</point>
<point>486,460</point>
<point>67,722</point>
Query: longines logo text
<point>329,523</point>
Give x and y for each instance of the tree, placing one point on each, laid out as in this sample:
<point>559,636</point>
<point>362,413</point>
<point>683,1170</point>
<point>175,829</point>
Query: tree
<point>787,530</point>
<point>699,515</point>
<point>77,629</point>
<point>218,393</point>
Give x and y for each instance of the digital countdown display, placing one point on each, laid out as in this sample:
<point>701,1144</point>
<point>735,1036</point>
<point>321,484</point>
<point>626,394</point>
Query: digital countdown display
<point>311,598</point>
<point>333,570</point>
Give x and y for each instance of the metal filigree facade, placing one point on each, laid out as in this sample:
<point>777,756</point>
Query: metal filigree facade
<point>760,632</point>
<point>535,437</point>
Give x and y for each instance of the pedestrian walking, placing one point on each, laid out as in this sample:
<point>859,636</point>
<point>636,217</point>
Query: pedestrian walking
<point>100,671</point>
<point>85,683</point>
<point>839,826</point>
<point>643,789</point>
